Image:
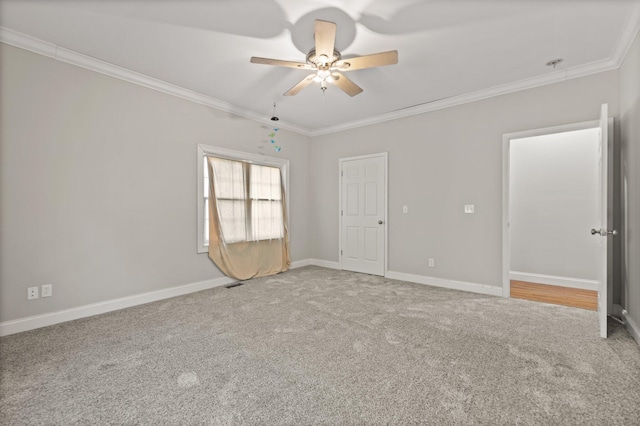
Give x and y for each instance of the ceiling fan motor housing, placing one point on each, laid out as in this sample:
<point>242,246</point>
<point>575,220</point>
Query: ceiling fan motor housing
<point>317,61</point>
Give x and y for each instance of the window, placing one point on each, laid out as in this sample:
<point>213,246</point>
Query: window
<point>246,211</point>
<point>266,202</point>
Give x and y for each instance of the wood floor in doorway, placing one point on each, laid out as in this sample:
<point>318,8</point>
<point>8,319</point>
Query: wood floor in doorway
<point>575,297</point>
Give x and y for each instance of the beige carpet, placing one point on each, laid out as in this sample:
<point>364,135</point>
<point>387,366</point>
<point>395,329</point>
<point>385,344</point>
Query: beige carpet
<point>318,346</point>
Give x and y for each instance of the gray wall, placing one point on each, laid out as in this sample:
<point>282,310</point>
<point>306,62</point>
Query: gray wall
<point>630,130</point>
<point>441,160</point>
<point>554,203</point>
<point>97,181</point>
<point>98,184</point>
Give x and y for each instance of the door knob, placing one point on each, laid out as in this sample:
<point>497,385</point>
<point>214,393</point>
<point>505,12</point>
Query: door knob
<point>380,222</point>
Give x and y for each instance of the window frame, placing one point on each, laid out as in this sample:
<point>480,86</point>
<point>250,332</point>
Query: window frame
<point>231,154</point>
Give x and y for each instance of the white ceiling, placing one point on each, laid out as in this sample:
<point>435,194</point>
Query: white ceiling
<point>448,49</point>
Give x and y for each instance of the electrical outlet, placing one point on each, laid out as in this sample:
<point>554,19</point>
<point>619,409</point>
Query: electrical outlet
<point>46,290</point>
<point>432,263</point>
<point>405,209</point>
<point>32,293</point>
<point>469,208</point>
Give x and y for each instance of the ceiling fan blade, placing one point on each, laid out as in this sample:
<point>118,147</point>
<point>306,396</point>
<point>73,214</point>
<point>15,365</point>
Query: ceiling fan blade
<point>348,86</point>
<point>279,63</point>
<point>368,61</point>
<point>301,85</point>
<point>325,35</point>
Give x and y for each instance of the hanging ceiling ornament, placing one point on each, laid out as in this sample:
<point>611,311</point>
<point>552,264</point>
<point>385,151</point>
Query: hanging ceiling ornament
<point>272,135</point>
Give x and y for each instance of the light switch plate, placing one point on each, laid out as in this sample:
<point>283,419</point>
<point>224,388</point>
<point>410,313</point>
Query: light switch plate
<point>405,209</point>
<point>469,208</point>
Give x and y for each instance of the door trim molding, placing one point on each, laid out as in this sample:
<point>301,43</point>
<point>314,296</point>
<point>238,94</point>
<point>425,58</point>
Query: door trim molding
<point>506,154</point>
<point>385,156</point>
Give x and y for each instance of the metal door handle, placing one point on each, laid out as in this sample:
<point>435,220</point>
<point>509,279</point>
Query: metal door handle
<point>603,232</point>
<point>380,222</point>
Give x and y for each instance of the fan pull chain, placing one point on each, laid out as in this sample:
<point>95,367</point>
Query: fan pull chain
<point>323,87</point>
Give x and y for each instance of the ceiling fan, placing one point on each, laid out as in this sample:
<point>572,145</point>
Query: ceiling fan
<point>327,62</point>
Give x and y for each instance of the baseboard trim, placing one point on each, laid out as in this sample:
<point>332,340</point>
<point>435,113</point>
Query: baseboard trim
<point>44,320</point>
<point>301,263</point>
<point>452,284</point>
<point>631,325</point>
<point>52,318</point>
<point>418,279</point>
<point>324,263</point>
<point>618,311</point>
<point>554,280</point>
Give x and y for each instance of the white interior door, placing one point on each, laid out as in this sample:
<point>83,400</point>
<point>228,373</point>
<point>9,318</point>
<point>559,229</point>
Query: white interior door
<point>603,232</point>
<point>363,214</point>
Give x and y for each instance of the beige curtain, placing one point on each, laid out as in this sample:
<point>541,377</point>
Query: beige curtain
<point>248,235</point>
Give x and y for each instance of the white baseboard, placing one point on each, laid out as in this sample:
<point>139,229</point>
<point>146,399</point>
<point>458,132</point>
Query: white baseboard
<point>452,284</point>
<point>301,263</point>
<point>618,311</point>
<point>315,262</point>
<point>554,280</point>
<point>325,263</point>
<point>632,326</point>
<point>44,320</point>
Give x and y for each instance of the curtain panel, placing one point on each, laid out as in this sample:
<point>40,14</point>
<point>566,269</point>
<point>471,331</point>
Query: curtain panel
<point>248,234</point>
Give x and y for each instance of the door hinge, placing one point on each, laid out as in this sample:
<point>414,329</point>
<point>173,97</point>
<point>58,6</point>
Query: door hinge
<point>340,252</point>
<point>341,212</point>
<point>341,172</point>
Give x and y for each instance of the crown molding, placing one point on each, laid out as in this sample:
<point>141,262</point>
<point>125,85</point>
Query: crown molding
<point>626,38</point>
<point>517,86</point>
<point>627,35</point>
<point>62,54</point>
<point>26,42</point>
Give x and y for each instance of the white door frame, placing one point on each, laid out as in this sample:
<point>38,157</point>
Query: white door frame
<point>385,156</point>
<point>506,151</point>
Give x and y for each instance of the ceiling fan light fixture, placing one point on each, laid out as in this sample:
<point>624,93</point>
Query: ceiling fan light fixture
<point>323,76</point>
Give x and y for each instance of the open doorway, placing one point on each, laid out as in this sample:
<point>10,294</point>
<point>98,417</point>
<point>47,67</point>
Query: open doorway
<point>553,203</point>
<point>601,230</point>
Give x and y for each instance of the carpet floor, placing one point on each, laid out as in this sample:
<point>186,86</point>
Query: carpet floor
<point>320,346</point>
